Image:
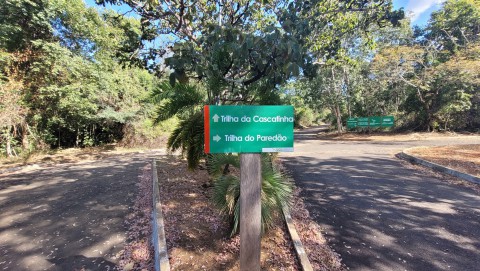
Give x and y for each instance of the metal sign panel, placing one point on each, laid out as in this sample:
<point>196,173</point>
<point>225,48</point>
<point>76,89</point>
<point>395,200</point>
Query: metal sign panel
<point>387,121</point>
<point>372,122</point>
<point>241,129</point>
<point>362,122</point>
<point>351,123</point>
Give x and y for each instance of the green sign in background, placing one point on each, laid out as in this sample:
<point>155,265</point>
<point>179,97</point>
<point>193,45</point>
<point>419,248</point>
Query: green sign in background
<point>373,122</point>
<point>243,129</point>
<point>351,123</point>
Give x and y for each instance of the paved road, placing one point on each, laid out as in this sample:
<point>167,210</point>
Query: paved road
<point>379,214</point>
<point>67,217</point>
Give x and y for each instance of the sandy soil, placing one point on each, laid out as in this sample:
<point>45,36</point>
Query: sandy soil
<point>379,136</point>
<point>464,158</point>
<point>62,156</point>
<point>197,237</point>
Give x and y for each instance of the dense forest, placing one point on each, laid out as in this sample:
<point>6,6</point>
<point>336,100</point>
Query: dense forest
<point>77,76</point>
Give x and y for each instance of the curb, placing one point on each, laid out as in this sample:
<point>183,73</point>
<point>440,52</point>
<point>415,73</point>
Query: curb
<point>437,167</point>
<point>158,232</point>
<point>302,255</point>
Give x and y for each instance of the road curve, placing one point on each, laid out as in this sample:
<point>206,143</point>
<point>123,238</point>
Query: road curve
<point>67,217</point>
<point>379,214</point>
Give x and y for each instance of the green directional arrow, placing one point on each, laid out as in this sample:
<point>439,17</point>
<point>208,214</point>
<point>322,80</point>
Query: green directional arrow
<point>215,118</point>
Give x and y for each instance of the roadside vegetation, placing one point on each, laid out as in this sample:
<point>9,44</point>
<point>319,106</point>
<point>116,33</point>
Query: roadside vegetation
<point>77,76</point>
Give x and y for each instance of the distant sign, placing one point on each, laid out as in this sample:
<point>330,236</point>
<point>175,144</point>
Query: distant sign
<point>352,123</point>
<point>387,121</point>
<point>362,122</point>
<point>372,122</point>
<point>254,129</point>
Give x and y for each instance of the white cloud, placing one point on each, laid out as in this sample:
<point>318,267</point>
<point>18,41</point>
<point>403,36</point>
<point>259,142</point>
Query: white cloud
<point>417,7</point>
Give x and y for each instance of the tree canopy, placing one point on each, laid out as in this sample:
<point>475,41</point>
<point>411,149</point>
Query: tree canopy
<point>71,75</point>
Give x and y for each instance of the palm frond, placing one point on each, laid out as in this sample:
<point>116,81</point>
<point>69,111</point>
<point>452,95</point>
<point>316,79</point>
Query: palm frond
<point>188,137</point>
<point>226,198</point>
<point>181,98</point>
<point>217,162</point>
<point>276,191</point>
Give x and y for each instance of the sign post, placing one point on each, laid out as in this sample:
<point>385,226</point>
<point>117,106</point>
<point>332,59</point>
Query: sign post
<point>249,130</point>
<point>250,211</point>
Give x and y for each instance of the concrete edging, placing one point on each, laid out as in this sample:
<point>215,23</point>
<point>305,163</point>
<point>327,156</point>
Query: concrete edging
<point>158,232</point>
<point>464,176</point>
<point>302,255</point>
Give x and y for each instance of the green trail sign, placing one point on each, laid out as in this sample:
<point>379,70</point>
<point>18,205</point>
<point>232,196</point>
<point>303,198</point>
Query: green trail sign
<point>241,129</point>
<point>374,121</point>
<point>351,123</point>
<point>362,122</point>
<point>370,122</point>
<point>387,121</point>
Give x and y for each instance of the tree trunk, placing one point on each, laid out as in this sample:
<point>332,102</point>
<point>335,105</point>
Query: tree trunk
<point>347,83</point>
<point>25,143</point>
<point>9,144</point>
<point>9,149</point>
<point>339,118</point>
<point>426,108</point>
<point>77,138</point>
<point>336,109</point>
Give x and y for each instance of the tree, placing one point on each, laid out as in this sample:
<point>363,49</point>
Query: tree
<point>12,113</point>
<point>237,48</point>
<point>24,21</point>
<point>437,70</point>
<point>79,72</point>
<point>456,25</point>
<point>337,35</point>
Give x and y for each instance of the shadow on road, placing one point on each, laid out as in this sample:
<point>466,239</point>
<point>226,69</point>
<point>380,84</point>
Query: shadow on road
<point>381,216</point>
<point>67,217</point>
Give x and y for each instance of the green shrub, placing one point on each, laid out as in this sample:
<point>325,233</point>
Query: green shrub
<point>304,117</point>
<point>276,189</point>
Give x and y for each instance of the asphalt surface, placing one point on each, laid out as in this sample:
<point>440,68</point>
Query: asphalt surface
<point>68,217</point>
<point>380,214</point>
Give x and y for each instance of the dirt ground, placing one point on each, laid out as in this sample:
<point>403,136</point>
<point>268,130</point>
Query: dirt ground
<point>62,156</point>
<point>386,136</point>
<point>464,158</point>
<point>197,237</point>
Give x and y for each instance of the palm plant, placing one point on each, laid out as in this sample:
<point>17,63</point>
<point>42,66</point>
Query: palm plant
<point>182,99</point>
<point>185,101</point>
<point>188,137</point>
<point>276,190</point>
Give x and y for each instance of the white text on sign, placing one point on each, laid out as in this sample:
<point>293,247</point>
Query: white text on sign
<point>259,138</point>
<point>229,118</point>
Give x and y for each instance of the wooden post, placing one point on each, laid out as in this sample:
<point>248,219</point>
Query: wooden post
<point>250,211</point>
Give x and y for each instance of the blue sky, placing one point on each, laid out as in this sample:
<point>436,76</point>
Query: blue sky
<point>418,10</point>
